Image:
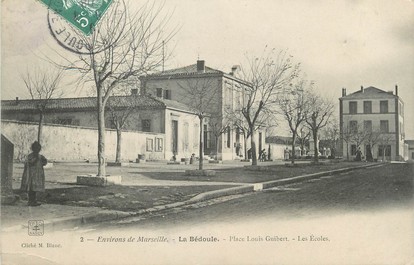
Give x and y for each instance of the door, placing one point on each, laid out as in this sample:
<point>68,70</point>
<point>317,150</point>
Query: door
<point>174,128</point>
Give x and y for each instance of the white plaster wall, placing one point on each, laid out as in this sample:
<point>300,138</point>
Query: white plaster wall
<point>77,143</point>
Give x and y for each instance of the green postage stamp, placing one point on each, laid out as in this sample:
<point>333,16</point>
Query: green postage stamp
<point>83,14</point>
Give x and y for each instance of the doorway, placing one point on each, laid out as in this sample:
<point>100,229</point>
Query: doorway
<point>174,127</point>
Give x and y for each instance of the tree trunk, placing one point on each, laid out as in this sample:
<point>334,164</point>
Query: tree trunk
<point>201,155</point>
<point>40,127</point>
<point>217,145</point>
<point>118,145</point>
<point>293,148</point>
<point>245,145</point>
<point>253,147</point>
<point>315,146</point>
<point>101,135</point>
<point>347,151</point>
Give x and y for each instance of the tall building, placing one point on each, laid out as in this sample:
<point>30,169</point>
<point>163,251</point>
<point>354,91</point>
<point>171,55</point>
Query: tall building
<point>372,122</point>
<point>226,90</point>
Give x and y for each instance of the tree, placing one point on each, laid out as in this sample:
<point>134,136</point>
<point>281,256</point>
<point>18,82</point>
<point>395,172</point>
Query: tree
<point>123,45</point>
<point>303,137</point>
<point>43,85</point>
<point>358,135</point>
<point>201,95</point>
<point>218,126</point>
<point>373,138</point>
<point>239,123</point>
<point>266,75</point>
<point>293,106</point>
<point>320,111</point>
<point>120,108</point>
<point>331,135</point>
<point>384,140</point>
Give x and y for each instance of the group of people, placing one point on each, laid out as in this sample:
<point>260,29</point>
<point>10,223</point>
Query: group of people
<point>262,155</point>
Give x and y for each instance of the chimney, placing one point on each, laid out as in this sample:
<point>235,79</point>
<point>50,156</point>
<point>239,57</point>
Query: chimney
<point>344,92</point>
<point>201,67</point>
<point>234,70</point>
<point>362,89</point>
<point>396,90</point>
<point>134,91</point>
<point>17,100</point>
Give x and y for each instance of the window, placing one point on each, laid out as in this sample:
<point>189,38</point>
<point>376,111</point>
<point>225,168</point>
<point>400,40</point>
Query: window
<point>412,155</point>
<point>146,125</point>
<point>167,94</point>
<point>368,126</point>
<point>228,137</point>
<point>159,92</point>
<point>158,144</point>
<point>353,149</point>
<point>384,106</point>
<point>382,148</point>
<point>195,136</point>
<point>384,126</point>
<point>367,107</point>
<point>150,144</point>
<point>207,138</point>
<point>185,142</point>
<point>353,107</point>
<point>353,126</point>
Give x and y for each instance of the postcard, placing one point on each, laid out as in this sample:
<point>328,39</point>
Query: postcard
<point>207,132</point>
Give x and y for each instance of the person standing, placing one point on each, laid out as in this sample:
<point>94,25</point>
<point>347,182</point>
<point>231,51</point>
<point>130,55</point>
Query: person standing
<point>33,179</point>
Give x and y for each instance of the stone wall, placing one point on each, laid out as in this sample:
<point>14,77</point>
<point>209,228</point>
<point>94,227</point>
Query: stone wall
<point>73,143</point>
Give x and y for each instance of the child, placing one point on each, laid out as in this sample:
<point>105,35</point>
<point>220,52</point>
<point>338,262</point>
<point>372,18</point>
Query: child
<point>33,179</point>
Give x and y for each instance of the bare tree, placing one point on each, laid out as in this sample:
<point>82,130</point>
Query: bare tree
<point>372,139</point>
<point>358,135</point>
<point>384,140</point>
<point>303,136</point>
<point>267,75</point>
<point>320,111</point>
<point>293,106</point>
<point>43,85</point>
<point>267,120</point>
<point>331,135</point>
<point>120,108</point>
<point>218,126</point>
<point>201,95</point>
<point>239,123</point>
<point>124,45</point>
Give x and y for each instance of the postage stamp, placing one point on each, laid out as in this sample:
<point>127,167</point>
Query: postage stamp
<point>36,228</point>
<point>83,14</point>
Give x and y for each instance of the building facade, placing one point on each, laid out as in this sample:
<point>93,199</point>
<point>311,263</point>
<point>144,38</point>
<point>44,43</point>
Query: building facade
<point>410,149</point>
<point>221,138</point>
<point>372,124</point>
<point>138,113</point>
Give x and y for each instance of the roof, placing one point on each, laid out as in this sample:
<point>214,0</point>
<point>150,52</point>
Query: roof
<point>191,70</point>
<point>139,102</point>
<point>369,92</point>
<point>172,104</point>
<point>188,70</point>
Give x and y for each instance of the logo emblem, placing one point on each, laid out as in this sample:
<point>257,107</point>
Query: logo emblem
<point>36,228</point>
<point>83,14</point>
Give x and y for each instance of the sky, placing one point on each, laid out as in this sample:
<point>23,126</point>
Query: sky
<point>338,43</point>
